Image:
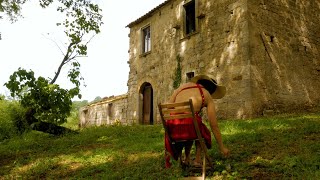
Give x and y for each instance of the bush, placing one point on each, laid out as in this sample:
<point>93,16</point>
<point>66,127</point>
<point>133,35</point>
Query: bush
<point>73,118</point>
<point>6,125</point>
<point>12,120</point>
<point>18,118</point>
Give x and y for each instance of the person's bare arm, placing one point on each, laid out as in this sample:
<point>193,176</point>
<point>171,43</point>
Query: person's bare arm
<point>171,100</point>
<point>214,126</point>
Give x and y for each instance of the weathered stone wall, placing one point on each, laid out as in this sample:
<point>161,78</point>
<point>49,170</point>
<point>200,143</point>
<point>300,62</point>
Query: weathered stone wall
<point>219,48</point>
<point>285,54</point>
<point>265,52</point>
<point>226,55</point>
<point>108,111</point>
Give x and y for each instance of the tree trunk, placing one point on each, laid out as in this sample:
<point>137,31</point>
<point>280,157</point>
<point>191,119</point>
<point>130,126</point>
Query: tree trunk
<point>51,128</point>
<point>45,127</point>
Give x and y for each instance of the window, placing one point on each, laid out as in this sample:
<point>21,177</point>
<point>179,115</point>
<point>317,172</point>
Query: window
<point>190,75</point>
<point>190,17</point>
<point>146,39</point>
<point>110,110</point>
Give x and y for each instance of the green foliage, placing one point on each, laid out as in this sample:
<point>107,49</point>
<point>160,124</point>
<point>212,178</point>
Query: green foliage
<point>82,18</point>
<point>6,125</point>
<point>73,118</point>
<point>76,105</point>
<point>50,102</point>
<point>83,13</point>
<point>12,122</point>
<point>177,77</point>
<point>11,8</point>
<point>45,99</point>
<point>96,99</point>
<point>18,118</point>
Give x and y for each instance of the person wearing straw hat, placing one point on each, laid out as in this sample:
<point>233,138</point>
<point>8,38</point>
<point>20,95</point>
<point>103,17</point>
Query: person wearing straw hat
<point>202,89</point>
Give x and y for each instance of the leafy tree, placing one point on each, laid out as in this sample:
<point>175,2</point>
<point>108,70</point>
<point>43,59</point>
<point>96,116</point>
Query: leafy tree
<point>76,105</point>
<point>73,119</point>
<point>46,101</point>
<point>96,99</point>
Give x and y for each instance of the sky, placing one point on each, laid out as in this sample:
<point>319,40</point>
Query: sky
<point>33,42</point>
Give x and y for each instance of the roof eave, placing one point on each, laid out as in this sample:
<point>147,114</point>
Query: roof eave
<point>149,14</point>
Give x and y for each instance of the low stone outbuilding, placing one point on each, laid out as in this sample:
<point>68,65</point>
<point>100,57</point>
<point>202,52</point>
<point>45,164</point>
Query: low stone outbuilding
<point>266,52</point>
<point>108,111</point>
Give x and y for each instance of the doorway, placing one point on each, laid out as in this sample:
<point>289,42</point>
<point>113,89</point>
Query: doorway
<point>147,103</point>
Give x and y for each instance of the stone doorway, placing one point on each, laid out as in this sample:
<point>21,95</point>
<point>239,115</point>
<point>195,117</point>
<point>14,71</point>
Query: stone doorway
<point>147,103</point>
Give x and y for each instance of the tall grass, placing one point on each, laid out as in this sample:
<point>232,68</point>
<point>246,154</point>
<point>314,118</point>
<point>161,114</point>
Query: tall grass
<point>281,147</point>
<point>11,124</point>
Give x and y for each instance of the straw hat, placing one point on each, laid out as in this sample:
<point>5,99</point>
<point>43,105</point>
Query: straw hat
<point>220,90</point>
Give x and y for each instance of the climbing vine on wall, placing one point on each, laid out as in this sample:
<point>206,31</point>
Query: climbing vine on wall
<point>177,77</point>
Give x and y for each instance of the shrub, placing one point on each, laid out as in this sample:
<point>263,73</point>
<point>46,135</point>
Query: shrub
<point>12,120</point>
<point>17,113</point>
<point>6,126</point>
<point>73,118</point>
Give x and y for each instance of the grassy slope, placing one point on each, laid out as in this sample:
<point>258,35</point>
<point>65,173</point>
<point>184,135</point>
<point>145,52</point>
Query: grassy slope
<point>282,147</point>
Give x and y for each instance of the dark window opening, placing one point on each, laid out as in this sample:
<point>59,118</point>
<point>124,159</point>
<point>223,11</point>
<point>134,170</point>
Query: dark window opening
<point>110,110</point>
<point>146,42</point>
<point>190,17</point>
<point>190,75</point>
<point>271,38</point>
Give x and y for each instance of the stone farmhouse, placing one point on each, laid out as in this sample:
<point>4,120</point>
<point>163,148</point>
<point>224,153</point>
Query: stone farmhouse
<point>266,52</point>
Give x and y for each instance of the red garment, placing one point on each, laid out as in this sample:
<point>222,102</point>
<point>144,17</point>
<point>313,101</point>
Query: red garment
<point>183,129</point>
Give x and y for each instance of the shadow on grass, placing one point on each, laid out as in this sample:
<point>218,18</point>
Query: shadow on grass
<point>269,148</point>
<point>272,148</point>
<point>115,152</point>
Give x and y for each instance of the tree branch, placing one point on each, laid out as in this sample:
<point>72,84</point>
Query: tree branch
<point>63,62</point>
<point>54,43</point>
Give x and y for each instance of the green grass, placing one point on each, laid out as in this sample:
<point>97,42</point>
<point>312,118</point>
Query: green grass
<point>280,147</point>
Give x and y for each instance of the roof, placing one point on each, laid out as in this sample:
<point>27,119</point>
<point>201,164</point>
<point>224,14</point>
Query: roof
<point>107,100</point>
<point>149,14</point>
